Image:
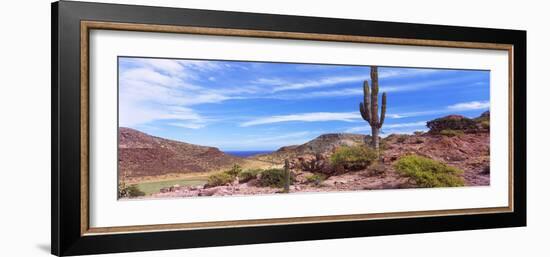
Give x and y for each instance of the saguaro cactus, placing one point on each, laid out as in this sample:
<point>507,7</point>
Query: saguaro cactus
<point>369,107</point>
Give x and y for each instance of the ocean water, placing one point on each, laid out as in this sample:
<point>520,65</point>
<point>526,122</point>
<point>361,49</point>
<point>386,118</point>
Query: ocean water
<point>246,153</point>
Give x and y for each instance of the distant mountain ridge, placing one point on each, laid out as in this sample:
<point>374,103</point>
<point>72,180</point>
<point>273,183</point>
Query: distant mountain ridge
<point>141,154</point>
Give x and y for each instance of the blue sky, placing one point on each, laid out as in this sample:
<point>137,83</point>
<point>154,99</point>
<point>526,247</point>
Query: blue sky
<point>262,106</point>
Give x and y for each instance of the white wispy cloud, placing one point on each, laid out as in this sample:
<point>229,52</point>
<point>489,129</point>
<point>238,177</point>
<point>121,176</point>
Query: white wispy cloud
<point>187,125</point>
<point>404,125</point>
<point>328,81</point>
<point>269,81</point>
<point>395,116</point>
<point>474,105</point>
<point>282,85</point>
<point>167,89</point>
<point>458,107</point>
<point>162,89</point>
<point>357,91</point>
<point>304,117</point>
<point>366,128</point>
<point>415,114</point>
<point>354,116</point>
<point>176,66</point>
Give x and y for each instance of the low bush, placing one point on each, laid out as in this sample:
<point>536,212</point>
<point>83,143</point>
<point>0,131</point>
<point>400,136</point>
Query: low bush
<point>316,179</point>
<point>485,124</point>
<point>219,179</point>
<point>247,175</point>
<point>234,171</point>
<point>429,173</point>
<point>129,191</point>
<point>274,178</point>
<point>353,157</point>
<point>451,132</point>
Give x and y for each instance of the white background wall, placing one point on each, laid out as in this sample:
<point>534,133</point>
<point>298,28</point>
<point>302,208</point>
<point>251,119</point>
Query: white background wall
<point>25,127</point>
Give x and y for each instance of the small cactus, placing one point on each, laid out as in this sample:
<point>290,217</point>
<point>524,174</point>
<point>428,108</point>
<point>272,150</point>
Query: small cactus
<point>287,177</point>
<point>369,107</point>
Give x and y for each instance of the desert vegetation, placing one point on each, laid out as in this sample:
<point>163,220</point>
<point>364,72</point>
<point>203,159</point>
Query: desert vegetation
<point>429,173</point>
<point>353,158</point>
<point>129,191</point>
<point>453,152</point>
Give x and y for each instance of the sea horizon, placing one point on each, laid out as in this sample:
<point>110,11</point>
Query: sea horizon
<point>247,153</point>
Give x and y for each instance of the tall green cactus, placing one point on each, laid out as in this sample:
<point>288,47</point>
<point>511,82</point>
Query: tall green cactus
<point>369,107</point>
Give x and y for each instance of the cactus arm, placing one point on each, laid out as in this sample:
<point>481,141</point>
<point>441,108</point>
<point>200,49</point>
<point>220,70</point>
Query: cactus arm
<point>366,98</point>
<point>383,112</point>
<point>363,112</point>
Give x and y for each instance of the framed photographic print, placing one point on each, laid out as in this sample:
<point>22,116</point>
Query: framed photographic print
<point>178,128</point>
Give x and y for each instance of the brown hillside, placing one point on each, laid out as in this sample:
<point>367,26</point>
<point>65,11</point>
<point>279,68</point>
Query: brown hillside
<point>141,155</point>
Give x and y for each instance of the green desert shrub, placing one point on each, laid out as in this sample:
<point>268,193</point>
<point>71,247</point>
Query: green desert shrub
<point>274,178</point>
<point>234,171</point>
<point>485,124</point>
<point>316,178</point>
<point>219,179</point>
<point>429,173</point>
<point>451,132</point>
<point>129,191</point>
<point>353,157</point>
<point>247,175</point>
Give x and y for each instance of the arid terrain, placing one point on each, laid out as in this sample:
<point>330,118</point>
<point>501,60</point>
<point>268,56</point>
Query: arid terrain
<point>453,142</point>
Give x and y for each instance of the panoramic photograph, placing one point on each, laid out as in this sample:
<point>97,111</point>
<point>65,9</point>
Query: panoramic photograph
<point>203,128</point>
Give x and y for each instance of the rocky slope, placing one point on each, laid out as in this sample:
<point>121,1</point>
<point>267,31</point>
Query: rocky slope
<point>468,152</point>
<point>141,155</point>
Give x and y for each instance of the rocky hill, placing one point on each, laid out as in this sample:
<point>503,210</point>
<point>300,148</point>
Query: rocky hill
<point>141,155</point>
<point>324,144</point>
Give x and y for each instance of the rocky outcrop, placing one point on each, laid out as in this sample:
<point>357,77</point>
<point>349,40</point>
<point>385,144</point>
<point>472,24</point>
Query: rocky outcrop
<point>451,122</point>
<point>460,123</point>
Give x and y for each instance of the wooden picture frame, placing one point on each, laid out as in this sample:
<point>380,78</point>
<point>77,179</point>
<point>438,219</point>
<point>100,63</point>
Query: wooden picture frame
<point>71,26</point>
